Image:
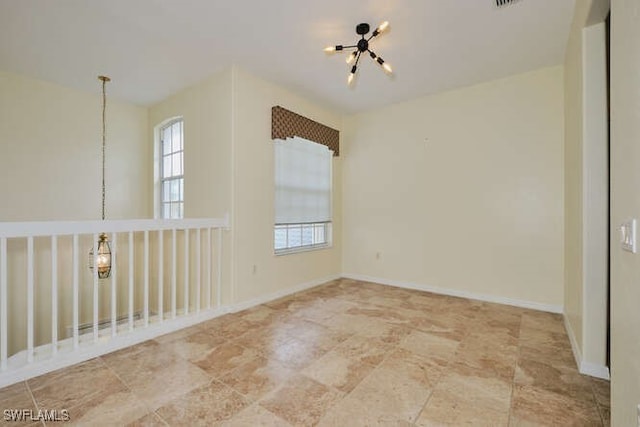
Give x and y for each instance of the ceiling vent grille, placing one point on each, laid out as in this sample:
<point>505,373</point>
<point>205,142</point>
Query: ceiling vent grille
<point>503,3</point>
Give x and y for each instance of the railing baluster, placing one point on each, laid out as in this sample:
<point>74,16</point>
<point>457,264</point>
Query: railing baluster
<point>219,271</point>
<point>197,286</point>
<point>146,279</point>
<point>30,300</point>
<point>174,273</point>
<point>3,304</point>
<point>186,271</point>
<point>54,295</point>
<point>160,275</point>
<point>208,267</point>
<point>114,284</point>
<point>76,290</point>
<point>131,266</point>
<point>198,270</point>
<point>95,288</point>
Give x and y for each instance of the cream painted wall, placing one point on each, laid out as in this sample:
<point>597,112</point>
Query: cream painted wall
<point>625,198</point>
<point>257,271</point>
<point>462,190</point>
<point>50,148</point>
<point>586,186</point>
<point>206,110</point>
<point>50,145</point>
<point>229,169</point>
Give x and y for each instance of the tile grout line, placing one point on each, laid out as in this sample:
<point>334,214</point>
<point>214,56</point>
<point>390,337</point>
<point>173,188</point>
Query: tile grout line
<point>362,301</point>
<point>376,367</point>
<point>515,368</point>
<point>128,387</point>
<point>446,368</point>
<point>438,381</point>
<point>218,378</point>
<point>33,398</point>
<point>595,399</point>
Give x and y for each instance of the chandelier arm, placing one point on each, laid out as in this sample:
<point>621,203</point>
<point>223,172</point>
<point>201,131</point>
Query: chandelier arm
<point>358,58</point>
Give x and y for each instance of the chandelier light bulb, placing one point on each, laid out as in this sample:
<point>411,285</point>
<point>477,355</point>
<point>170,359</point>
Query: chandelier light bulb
<point>383,26</point>
<point>387,67</point>
<point>352,74</point>
<point>330,49</point>
<point>352,57</point>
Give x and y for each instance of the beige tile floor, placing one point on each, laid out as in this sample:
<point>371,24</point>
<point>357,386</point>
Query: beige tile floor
<point>343,354</point>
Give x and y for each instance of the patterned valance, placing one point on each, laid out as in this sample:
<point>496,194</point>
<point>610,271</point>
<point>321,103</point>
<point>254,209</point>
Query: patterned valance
<point>287,124</point>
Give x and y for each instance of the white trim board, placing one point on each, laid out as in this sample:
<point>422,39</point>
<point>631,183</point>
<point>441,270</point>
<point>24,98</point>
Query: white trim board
<point>63,360</point>
<point>457,293</point>
<point>584,367</point>
<point>282,293</point>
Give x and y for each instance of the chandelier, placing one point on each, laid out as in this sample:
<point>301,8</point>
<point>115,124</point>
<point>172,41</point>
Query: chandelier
<point>362,47</point>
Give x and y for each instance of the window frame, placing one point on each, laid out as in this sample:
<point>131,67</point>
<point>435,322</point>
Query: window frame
<point>327,225</point>
<point>327,243</point>
<point>161,178</point>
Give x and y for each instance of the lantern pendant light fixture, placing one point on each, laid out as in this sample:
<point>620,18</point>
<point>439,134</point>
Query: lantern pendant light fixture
<point>102,256</point>
<point>362,47</point>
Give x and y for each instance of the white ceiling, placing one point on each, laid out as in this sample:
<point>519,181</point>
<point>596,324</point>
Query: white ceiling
<point>153,48</point>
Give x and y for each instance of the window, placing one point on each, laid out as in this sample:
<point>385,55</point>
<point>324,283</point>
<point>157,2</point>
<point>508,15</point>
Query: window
<point>302,196</point>
<point>171,168</point>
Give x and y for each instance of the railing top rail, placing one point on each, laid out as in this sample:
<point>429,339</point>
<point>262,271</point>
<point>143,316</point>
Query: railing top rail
<point>61,228</point>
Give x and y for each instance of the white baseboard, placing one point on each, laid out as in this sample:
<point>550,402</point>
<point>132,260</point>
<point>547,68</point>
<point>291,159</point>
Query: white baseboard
<point>457,293</point>
<point>594,370</point>
<point>243,305</point>
<point>586,368</point>
<point>155,330</point>
<point>67,358</point>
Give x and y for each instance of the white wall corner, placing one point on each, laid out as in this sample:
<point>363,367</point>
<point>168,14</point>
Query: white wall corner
<point>584,367</point>
<point>551,308</point>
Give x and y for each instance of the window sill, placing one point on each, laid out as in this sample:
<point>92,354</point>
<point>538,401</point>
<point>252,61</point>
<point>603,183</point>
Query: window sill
<point>290,251</point>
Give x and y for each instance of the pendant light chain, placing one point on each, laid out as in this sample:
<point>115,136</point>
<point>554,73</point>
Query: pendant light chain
<point>104,138</point>
<point>101,257</point>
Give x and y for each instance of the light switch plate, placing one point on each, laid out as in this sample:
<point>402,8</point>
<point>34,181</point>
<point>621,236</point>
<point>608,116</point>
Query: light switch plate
<point>628,235</point>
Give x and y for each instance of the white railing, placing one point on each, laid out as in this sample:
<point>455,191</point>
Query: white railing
<point>166,275</point>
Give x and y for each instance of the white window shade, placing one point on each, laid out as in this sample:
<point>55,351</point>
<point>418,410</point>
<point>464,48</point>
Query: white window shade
<point>303,181</point>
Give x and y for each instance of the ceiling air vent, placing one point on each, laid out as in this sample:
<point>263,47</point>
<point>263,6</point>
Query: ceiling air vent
<point>503,3</point>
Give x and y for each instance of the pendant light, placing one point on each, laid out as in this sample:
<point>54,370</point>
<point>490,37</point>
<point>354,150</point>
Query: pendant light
<point>102,257</point>
<point>362,46</point>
